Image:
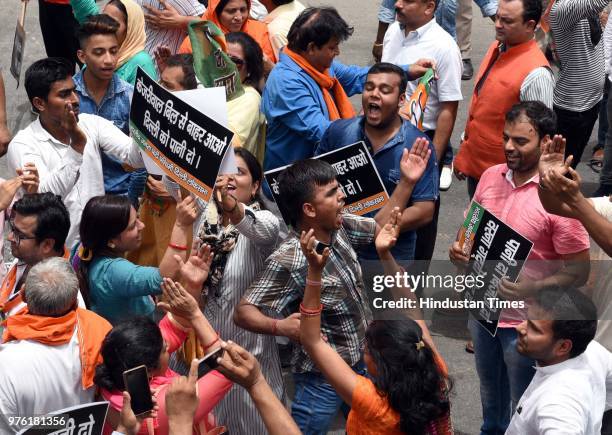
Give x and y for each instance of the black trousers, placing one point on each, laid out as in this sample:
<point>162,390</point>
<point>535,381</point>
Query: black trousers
<point>576,128</point>
<point>58,27</point>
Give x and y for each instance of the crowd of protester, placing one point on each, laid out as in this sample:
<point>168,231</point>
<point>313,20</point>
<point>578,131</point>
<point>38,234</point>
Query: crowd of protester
<point>114,268</point>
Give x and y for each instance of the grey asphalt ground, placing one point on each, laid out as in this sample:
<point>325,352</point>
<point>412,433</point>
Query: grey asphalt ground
<point>449,333</point>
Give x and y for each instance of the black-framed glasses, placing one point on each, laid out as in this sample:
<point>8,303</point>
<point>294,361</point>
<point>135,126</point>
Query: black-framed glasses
<point>18,236</point>
<point>239,62</point>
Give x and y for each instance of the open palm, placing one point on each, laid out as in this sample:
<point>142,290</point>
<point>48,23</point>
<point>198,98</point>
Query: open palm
<point>194,271</point>
<point>387,236</point>
<point>414,162</point>
<point>553,157</point>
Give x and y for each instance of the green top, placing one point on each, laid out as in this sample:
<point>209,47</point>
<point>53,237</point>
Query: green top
<point>141,59</point>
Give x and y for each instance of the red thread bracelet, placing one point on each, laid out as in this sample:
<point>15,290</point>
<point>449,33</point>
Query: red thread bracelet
<point>177,247</point>
<point>309,312</point>
<point>274,325</point>
<point>211,344</point>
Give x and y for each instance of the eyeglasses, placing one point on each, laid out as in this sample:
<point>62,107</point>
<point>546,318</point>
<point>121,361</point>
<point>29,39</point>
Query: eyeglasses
<point>239,62</point>
<point>18,235</point>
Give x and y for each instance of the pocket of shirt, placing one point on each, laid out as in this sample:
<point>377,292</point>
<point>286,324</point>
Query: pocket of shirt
<point>332,291</point>
<point>393,176</point>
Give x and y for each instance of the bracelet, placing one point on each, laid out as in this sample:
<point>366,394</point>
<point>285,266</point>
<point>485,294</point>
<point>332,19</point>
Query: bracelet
<point>308,312</point>
<point>274,326</point>
<point>177,247</point>
<point>216,340</point>
<point>313,283</point>
<point>377,44</point>
<point>541,186</point>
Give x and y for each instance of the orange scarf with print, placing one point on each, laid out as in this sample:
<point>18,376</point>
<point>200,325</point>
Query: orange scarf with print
<point>55,331</point>
<point>338,105</point>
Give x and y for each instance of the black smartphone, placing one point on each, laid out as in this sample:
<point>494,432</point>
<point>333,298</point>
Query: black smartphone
<point>209,362</point>
<point>320,247</point>
<point>136,382</point>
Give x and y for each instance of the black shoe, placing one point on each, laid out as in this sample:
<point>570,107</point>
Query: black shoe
<point>468,69</point>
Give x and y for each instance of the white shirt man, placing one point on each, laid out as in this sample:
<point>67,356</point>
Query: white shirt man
<point>567,398</point>
<point>432,42</point>
<point>279,22</point>
<point>75,177</point>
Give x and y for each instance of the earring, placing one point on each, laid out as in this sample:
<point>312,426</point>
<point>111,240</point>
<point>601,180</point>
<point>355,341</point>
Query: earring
<point>111,245</point>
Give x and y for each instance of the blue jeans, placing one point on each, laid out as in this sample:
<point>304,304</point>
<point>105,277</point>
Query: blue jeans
<point>316,403</point>
<point>504,375</point>
<point>445,16</point>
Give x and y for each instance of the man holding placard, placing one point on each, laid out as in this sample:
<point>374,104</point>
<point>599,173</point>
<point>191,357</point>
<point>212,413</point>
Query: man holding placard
<point>559,257</point>
<point>386,135</point>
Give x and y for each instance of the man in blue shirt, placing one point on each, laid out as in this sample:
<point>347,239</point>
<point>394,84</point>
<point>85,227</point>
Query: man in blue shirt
<point>386,135</point>
<point>293,102</point>
<point>101,92</point>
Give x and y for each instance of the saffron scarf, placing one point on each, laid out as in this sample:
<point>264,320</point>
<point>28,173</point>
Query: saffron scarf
<point>135,36</point>
<point>336,100</point>
<point>55,331</point>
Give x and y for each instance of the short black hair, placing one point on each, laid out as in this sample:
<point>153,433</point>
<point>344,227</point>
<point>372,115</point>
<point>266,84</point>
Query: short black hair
<point>297,185</point>
<point>532,10</point>
<point>99,24</point>
<point>253,56</point>
<point>185,62</point>
<point>41,75</point>
<point>281,2</point>
<point>540,117</point>
<point>52,218</point>
<point>386,67</point>
<point>574,316</point>
<point>319,26</point>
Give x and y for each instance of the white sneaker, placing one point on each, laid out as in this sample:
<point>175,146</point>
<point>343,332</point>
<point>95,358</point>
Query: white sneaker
<point>446,177</point>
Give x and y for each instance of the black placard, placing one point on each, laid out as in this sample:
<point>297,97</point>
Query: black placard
<point>85,419</point>
<point>496,251</point>
<point>185,143</point>
<point>357,176</point>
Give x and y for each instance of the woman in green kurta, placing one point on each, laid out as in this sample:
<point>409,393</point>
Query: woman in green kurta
<point>131,35</point>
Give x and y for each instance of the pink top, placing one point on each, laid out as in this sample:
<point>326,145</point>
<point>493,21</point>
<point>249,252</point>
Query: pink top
<point>520,208</point>
<point>212,387</point>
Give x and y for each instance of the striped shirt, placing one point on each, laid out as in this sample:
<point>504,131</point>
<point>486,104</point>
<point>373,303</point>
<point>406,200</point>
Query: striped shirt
<point>258,238</point>
<point>280,288</point>
<point>582,73</point>
<point>170,37</point>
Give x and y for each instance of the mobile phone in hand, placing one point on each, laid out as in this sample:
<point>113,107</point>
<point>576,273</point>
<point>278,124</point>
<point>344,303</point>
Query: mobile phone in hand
<point>320,247</point>
<point>136,382</point>
<point>209,362</point>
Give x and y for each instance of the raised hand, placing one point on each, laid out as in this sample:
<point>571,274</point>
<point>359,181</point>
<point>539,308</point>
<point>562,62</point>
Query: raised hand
<point>162,53</point>
<point>226,200</point>
<point>129,424</point>
<point>166,18</point>
<point>182,400</point>
<point>29,177</point>
<point>8,189</point>
<point>70,123</point>
<point>565,189</point>
<point>387,236</point>
<point>194,271</point>
<point>307,243</point>
<point>178,301</point>
<point>553,157</point>
<point>186,211</point>
<point>414,162</point>
<point>241,367</point>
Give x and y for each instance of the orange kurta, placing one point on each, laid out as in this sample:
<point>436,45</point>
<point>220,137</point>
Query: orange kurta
<point>483,144</point>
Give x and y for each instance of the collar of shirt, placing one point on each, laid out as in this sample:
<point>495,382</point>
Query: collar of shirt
<point>116,86</point>
<point>508,174</point>
<point>43,135</point>
<point>418,33</point>
<point>398,139</point>
<point>556,368</point>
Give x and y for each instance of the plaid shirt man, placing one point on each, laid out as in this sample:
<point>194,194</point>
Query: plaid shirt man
<point>345,317</point>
